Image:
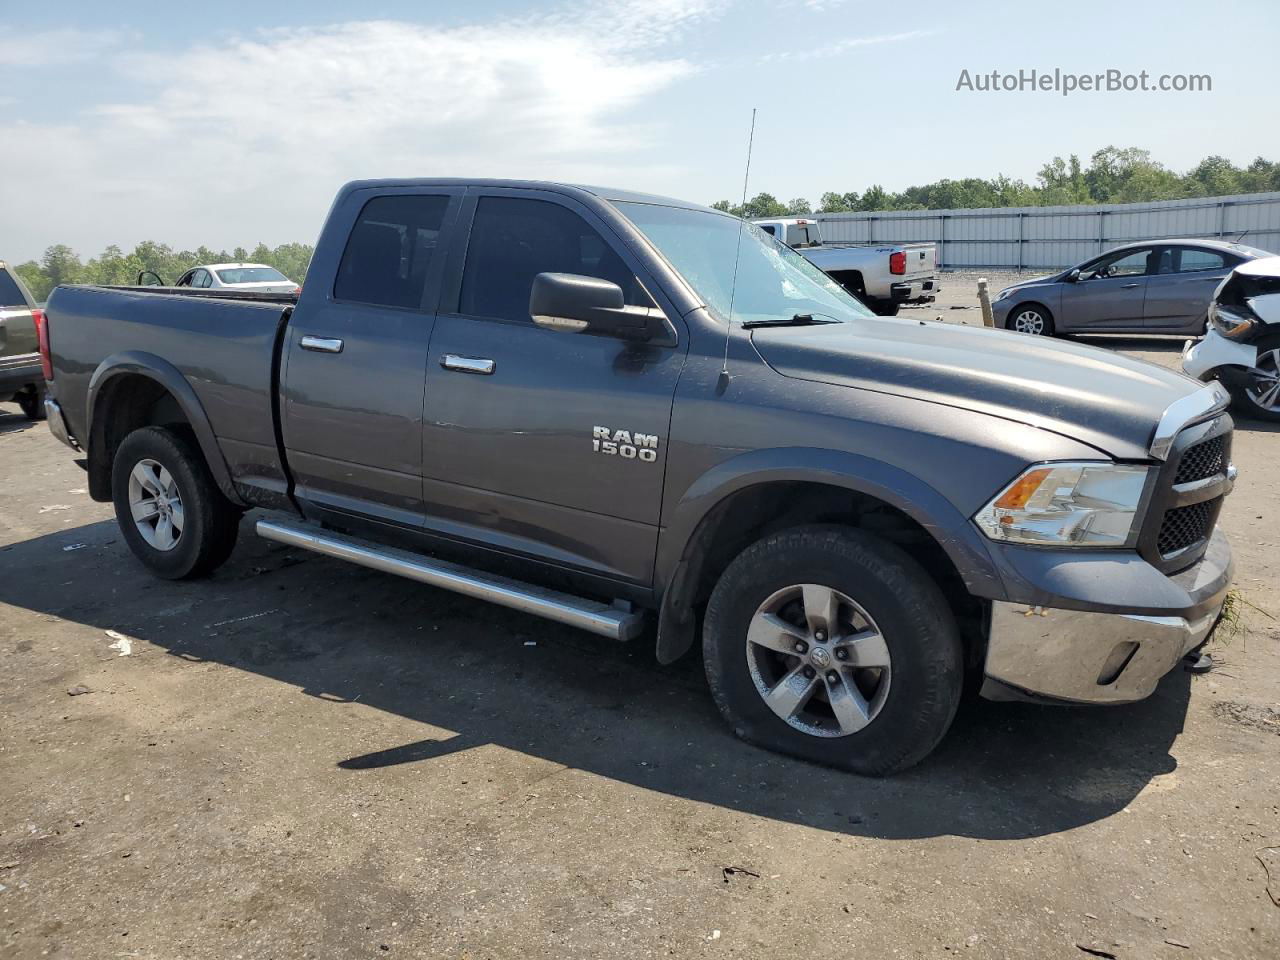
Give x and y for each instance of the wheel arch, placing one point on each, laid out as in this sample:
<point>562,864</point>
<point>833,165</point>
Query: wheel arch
<point>136,389</point>
<point>741,500</point>
<point>1022,305</point>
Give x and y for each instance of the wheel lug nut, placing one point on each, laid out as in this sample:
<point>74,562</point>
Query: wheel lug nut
<point>842,654</point>
<point>801,647</point>
<point>832,677</point>
<point>809,673</point>
<point>820,635</point>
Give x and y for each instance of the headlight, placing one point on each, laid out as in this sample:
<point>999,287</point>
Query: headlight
<point>1004,293</point>
<point>1232,322</point>
<point>1068,504</point>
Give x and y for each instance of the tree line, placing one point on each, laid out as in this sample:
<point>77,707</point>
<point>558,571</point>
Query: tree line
<point>61,264</point>
<point>1113,175</point>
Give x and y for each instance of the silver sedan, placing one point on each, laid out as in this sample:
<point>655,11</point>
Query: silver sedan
<point>1150,287</point>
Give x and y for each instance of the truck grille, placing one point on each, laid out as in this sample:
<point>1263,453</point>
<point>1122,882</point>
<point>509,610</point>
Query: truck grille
<point>1183,527</point>
<point>1205,459</point>
<point>1188,496</point>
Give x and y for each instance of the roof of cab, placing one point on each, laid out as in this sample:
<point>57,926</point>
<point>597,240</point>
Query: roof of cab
<point>603,193</point>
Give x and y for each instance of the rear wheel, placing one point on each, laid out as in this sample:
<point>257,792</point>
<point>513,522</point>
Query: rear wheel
<point>172,514</point>
<point>832,645</point>
<point>31,403</point>
<point>885,308</point>
<point>1256,390</point>
<point>1031,318</point>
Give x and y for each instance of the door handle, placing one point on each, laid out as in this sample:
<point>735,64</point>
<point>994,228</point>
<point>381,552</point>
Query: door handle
<point>1129,286</point>
<point>480,365</point>
<point>321,344</point>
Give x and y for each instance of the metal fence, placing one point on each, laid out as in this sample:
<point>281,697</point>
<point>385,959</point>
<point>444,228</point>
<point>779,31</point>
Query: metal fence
<point>1045,237</point>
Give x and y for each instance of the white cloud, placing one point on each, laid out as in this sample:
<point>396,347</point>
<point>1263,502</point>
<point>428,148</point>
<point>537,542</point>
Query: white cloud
<point>837,47</point>
<point>248,139</point>
<point>60,46</point>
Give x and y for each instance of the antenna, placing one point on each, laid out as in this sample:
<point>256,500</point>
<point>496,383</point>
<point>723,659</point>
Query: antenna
<point>737,253</point>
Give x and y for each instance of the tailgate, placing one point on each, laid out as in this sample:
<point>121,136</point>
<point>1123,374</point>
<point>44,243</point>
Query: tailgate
<point>922,261</point>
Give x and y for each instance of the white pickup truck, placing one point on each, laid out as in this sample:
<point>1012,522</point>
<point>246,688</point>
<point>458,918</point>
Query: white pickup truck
<point>881,275</point>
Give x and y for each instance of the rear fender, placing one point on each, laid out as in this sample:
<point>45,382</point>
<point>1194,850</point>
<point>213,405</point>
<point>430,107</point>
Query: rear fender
<point>171,379</point>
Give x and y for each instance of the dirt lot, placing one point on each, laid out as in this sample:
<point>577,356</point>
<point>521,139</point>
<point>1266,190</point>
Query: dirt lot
<point>298,758</point>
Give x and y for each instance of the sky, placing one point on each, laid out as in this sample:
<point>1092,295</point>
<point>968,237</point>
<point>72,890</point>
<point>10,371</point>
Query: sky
<point>233,123</point>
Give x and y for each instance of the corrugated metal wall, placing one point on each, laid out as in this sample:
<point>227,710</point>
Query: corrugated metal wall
<point>1043,237</point>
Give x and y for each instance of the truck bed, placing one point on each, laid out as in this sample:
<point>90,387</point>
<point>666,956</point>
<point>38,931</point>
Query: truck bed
<point>223,344</point>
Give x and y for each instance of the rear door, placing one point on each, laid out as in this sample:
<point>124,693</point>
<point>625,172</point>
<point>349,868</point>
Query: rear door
<point>1109,293</point>
<point>1178,293</point>
<point>355,356</point>
<point>17,330</point>
<point>548,444</point>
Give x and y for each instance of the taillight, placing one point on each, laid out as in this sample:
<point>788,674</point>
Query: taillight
<point>42,340</point>
<point>898,262</point>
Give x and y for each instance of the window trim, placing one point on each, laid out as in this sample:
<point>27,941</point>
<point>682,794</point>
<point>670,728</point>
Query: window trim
<point>1146,270</point>
<point>451,289</point>
<point>1227,259</point>
<point>355,204</point>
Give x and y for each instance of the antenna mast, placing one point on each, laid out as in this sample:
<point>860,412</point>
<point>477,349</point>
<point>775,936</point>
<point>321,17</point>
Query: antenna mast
<point>742,225</point>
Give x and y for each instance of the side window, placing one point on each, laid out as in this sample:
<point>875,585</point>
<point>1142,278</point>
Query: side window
<point>513,240</point>
<point>10,295</point>
<point>770,229</point>
<point>1194,260</point>
<point>390,250</point>
<point>202,279</point>
<point>183,281</point>
<point>1130,264</point>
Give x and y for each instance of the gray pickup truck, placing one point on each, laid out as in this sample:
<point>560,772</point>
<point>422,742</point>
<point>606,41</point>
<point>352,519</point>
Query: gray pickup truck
<point>531,393</point>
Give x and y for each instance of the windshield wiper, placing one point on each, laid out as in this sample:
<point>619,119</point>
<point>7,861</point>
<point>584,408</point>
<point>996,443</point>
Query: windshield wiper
<point>795,320</point>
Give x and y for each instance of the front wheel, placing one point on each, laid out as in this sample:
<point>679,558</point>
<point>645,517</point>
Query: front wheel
<point>172,514</point>
<point>832,645</point>
<point>1256,390</point>
<point>1030,319</point>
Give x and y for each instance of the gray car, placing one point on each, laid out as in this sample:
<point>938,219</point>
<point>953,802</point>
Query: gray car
<point>1149,287</point>
<point>21,379</point>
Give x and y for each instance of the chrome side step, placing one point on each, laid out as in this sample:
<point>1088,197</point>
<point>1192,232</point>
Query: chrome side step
<point>590,615</point>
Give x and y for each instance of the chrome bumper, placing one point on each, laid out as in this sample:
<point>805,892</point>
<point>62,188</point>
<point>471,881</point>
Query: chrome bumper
<point>57,425</point>
<point>1081,657</point>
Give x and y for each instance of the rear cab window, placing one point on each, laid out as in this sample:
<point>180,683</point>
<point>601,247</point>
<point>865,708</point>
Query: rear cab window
<point>12,294</point>
<point>390,250</point>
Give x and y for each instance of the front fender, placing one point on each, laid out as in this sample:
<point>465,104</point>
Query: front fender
<point>688,520</point>
<point>170,377</point>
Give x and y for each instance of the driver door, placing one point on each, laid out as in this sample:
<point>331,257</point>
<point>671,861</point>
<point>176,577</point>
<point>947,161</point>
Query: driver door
<point>1109,293</point>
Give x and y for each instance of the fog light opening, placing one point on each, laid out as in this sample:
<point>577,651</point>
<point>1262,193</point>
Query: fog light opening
<point>1119,659</point>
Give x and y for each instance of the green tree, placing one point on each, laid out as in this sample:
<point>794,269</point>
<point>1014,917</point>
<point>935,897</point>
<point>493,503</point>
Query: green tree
<point>798,207</point>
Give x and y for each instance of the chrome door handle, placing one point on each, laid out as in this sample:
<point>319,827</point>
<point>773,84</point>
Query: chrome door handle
<point>480,365</point>
<point>1129,286</point>
<point>321,344</point>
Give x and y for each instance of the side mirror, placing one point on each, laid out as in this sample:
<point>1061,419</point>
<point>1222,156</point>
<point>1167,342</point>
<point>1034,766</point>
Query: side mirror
<point>569,303</point>
<point>1073,276</point>
<point>154,280</point>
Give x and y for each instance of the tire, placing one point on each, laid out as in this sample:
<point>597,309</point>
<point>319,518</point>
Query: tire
<point>1256,390</point>
<point>31,402</point>
<point>1030,318</point>
<point>910,702</point>
<point>202,528</point>
<point>885,308</point>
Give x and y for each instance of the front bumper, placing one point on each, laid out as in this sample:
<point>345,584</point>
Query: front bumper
<point>1105,654</point>
<point>1200,360</point>
<point>915,291</point>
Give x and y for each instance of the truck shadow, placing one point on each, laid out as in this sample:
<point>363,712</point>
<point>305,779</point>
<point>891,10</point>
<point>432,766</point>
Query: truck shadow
<point>12,420</point>
<point>341,633</point>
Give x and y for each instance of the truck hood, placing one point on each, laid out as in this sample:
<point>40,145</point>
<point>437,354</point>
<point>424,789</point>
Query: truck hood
<point>1101,398</point>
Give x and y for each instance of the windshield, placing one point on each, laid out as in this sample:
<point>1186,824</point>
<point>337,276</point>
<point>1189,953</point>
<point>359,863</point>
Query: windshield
<point>774,282</point>
<point>252,275</point>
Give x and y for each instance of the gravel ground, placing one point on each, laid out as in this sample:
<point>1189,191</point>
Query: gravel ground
<point>297,758</point>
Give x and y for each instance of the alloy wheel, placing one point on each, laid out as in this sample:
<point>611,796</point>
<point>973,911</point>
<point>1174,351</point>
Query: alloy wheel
<point>1029,321</point>
<point>818,660</point>
<point>155,504</point>
<point>1264,381</point>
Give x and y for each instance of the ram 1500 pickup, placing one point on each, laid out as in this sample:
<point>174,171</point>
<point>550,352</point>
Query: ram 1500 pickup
<point>558,399</point>
<point>882,275</point>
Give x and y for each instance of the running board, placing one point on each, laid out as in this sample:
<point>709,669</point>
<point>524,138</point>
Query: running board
<point>613,622</point>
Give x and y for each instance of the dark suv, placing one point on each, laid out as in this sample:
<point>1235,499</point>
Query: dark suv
<point>20,377</point>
